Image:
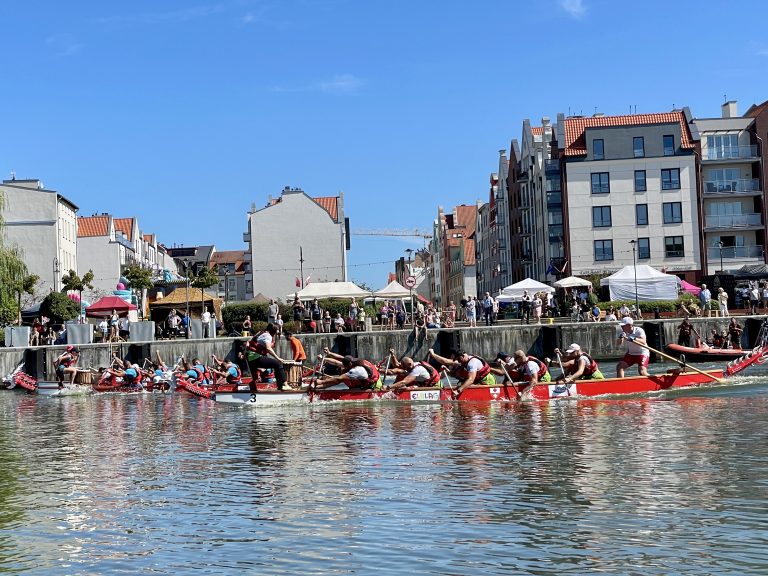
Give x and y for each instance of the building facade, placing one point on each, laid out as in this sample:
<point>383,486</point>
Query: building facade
<point>297,235</point>
<point>233,270</point>
<point>43,224</point>
<point>458,254</point>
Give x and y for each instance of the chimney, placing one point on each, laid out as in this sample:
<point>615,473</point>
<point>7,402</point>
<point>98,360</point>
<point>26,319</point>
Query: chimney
<point>729,109</point>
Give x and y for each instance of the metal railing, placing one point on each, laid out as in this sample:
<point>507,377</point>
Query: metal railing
<point>730,152</point>
<point>732,220</point>
<point>731,186</point>
<point>732,252</point>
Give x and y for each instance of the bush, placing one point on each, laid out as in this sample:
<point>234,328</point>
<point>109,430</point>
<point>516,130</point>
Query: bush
<point>59,308</point>
<point>234,314</point>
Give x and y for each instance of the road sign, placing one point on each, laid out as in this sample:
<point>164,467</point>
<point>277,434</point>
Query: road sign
<point>410,281</point>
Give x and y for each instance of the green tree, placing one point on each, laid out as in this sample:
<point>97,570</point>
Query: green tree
<point>59,307</point>
<point>140,279</point>
<point>25,285</point>
<point>71,281</point>
<point>205,278</point>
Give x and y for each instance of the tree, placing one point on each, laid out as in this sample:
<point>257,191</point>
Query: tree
<point>24,285</point>
<point>205,278</point>
<point>140,279</point>
<point>59,307</point>
<point>71,281</point>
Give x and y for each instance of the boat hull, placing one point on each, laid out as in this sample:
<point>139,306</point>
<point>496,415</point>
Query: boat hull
<point>262,398</point>
<point>52,389</point>
<point>703,354</point>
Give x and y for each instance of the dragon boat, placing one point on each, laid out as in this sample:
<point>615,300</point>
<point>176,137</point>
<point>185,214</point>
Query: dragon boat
<point>703,353</point>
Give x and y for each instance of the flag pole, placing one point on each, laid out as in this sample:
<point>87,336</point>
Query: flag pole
<point>301,265</point>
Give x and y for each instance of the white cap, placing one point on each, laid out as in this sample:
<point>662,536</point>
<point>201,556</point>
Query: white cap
<point>627,321</point>
<point>573,348</point>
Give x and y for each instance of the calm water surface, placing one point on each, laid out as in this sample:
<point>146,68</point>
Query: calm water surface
<point>176,485</point>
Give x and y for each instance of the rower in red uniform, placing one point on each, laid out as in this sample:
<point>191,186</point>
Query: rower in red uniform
<point>467,369</point>
<point>66,363</point>
<point>578,365</point>
<point>356,372</point>
<point>409,373</point>
<point>507,367</point>
<point>530,369</point>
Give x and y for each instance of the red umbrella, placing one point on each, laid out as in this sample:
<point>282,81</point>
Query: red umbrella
<point>103,308</point>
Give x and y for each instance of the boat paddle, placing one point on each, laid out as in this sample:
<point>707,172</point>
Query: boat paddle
<point>511,384</point>
<point>444,372</point>
<point>678,361</point>
<point>560,361</point>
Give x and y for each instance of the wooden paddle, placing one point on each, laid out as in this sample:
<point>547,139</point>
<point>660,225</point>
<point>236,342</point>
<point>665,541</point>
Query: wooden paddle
<point>683,364</point>
<point>444,372</point>
<point>504,369</point>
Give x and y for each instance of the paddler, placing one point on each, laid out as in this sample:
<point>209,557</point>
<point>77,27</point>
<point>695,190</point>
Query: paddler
<point>356,372</point>
<point>196,371</point>
<point>66,363</point>
<point>507,367</point>
<point>130,373</point>
<point>227,370</point>
<point>410,373</point>
<point>531,370</point>
<point>578,365</point>
<point>633,336</point>
<point>262,355</point>
<point>467,369</point>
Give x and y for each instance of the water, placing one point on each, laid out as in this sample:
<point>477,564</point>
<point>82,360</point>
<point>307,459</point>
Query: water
<point>155,484</point>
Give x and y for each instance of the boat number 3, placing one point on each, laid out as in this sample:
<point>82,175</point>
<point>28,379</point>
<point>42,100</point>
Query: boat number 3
<point>253,398</point>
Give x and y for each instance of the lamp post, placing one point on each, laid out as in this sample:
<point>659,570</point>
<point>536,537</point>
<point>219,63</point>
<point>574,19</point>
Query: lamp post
<point>634,264</point>
<point>409,251</point>
<point>56,271</point>
<point>720,245</point>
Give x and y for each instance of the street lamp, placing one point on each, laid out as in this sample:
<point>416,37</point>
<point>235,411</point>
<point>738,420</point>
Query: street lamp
<point>56,271</point>
<point>720,245</point>
<point>634,264</point>
<point>409,251</point>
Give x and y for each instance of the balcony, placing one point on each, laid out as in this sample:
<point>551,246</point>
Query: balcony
<point>551,166</point>
<point>554,200</point>
<point>731,153</point>
<point>725,187</point>
<point>734,252</point>
<point>733,221</point>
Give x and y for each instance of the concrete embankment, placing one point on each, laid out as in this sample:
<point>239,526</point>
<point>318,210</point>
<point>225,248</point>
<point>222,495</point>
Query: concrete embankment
<point>599,339</point>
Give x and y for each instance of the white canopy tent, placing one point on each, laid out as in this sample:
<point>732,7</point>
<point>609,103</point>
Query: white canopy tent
<point>515,291</point>
<point>572,282</point>
<point>393,290</point>
<point>652,285</point>
<point>322,290</point>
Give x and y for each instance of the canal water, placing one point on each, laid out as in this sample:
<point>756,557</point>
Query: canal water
<point>169,484</point>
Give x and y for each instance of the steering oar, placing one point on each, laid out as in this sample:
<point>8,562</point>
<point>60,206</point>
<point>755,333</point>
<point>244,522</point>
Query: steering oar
<point>683,364</point>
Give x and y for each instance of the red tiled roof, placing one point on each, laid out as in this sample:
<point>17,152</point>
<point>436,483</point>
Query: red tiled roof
<point>330,205</point>
<point>149,238</point>
<point>537,130</point>
<point>575,141</point>
<point>469,252</point>
<point>88,226</point>
<point>125,225</point>
<point>236,257</point>
<point>466,217</point>
<point>392,277</point>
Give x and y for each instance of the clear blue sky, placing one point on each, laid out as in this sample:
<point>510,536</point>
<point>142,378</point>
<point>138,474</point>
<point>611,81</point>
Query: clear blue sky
<point>183,113</point>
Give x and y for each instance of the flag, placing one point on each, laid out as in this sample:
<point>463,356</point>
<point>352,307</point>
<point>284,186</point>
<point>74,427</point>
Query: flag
<point>551,269</point>
<point>307,280</point>
<point>298,282</point>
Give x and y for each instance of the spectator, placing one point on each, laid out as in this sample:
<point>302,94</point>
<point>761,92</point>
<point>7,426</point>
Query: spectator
<point>272,311</point>
<point>537,304</point>
<point>279,324</point>
<point>722,299</point>
<point>298,313</point>
<point>338,323</point>
<point>705,297</point>
<point>487,309</point>
<point>525,303</point>
<point>247,325</point>
<point>754,298</point>
<point>124,327</point>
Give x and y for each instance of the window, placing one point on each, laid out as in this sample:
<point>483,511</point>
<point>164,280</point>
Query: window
<point>673,246</point>
<point>670,179</point>
<point>603,250</point>
<point>600,183</point>
<point>638,145</point>
<point>643,248</point>
<point>641,214</point>
<point>669,145</point>
<point>673,212</point>
<point>640,181</point>
<point>598,149</point>
<point>601,216</point>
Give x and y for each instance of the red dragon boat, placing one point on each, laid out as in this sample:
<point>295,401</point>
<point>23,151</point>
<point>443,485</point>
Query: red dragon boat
<point>703,353</point>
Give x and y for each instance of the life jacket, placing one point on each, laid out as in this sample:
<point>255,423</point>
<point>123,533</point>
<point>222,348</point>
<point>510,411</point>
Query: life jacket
<point>591,366</point>
<point>235,379</point>
<point>67,361</point>
<point>255,346</point>
<point>685,329</point>
<point>542,367</point>
<point>203,375</point>
<point>462,373</point>
<point>131,375</point>
<point>434,375</point>
<point>373,373</point>
<point>718,340</point>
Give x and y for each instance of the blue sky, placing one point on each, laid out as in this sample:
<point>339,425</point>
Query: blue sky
<point>183,113</point>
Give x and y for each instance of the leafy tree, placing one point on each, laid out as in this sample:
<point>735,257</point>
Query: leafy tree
<point>71,281</point>
<point>140,279</point>
<point>59,307</point>
<point>12,271</point>
<point>205,278</point>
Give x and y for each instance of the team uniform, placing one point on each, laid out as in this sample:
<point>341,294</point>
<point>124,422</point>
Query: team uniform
<point>636,354</point>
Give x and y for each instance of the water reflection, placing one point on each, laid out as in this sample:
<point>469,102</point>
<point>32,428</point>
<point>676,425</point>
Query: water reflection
<point>166,483</point>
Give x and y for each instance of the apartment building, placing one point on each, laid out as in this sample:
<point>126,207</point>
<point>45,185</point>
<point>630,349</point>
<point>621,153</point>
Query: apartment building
<point>235,283</point>
<point>458,260</point>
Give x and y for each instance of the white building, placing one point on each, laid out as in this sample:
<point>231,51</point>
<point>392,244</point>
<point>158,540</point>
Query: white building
<point>43,224</point>
<point>292,228</point>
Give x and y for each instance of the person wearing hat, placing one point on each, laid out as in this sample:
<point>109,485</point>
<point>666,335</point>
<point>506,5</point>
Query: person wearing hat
<point>66,363</point>
<point>467,369</point>
<point>507,367</point>
<point>633,336</point>
<point>579,365</point>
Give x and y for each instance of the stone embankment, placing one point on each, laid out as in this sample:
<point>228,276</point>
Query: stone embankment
<point>599,339</point>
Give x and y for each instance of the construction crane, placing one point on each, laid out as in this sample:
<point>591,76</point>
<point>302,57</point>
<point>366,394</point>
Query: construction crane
<point>403,232</point>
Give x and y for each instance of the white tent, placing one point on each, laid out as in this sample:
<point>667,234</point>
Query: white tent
<point>515,291</point>
<point>651,284</point>
<point>572,282</point>
<point>393,290</point>
<point>322,290</point>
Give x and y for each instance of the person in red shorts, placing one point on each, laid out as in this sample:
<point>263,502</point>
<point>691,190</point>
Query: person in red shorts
<point>633,336</point>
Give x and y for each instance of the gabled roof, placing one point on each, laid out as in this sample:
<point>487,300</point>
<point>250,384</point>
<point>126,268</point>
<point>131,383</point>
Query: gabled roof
<point>330,205</point>
<point>575,141</point>
<point>149,238</point>
<point>756,109</point>
<point>537,130</point>
<point>469,252</point>
<point>90,226</point>
<point>125,225</point>
<point>236,257</point>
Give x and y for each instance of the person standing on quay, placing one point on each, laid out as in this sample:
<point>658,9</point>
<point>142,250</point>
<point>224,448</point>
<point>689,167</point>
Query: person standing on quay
<point>705,297</point>
<point>525,303</point>
<point>722,298</point>
<point>488,309</point>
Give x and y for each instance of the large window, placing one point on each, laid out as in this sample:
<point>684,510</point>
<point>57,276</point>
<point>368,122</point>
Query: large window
<point>601,216</point>
<point>603,250</point>
<point>673,212</point>
<point>638,145</point>
<point>598,149</point>
<point>643,248</point>
<point>674,246</point>
<point>640,181</point>
<point>670,179</point>
<point>600,183</point>
<point>669,145</point>
<point>641,214</point>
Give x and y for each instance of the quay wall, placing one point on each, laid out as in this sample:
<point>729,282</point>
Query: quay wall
<point>599,339</point>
